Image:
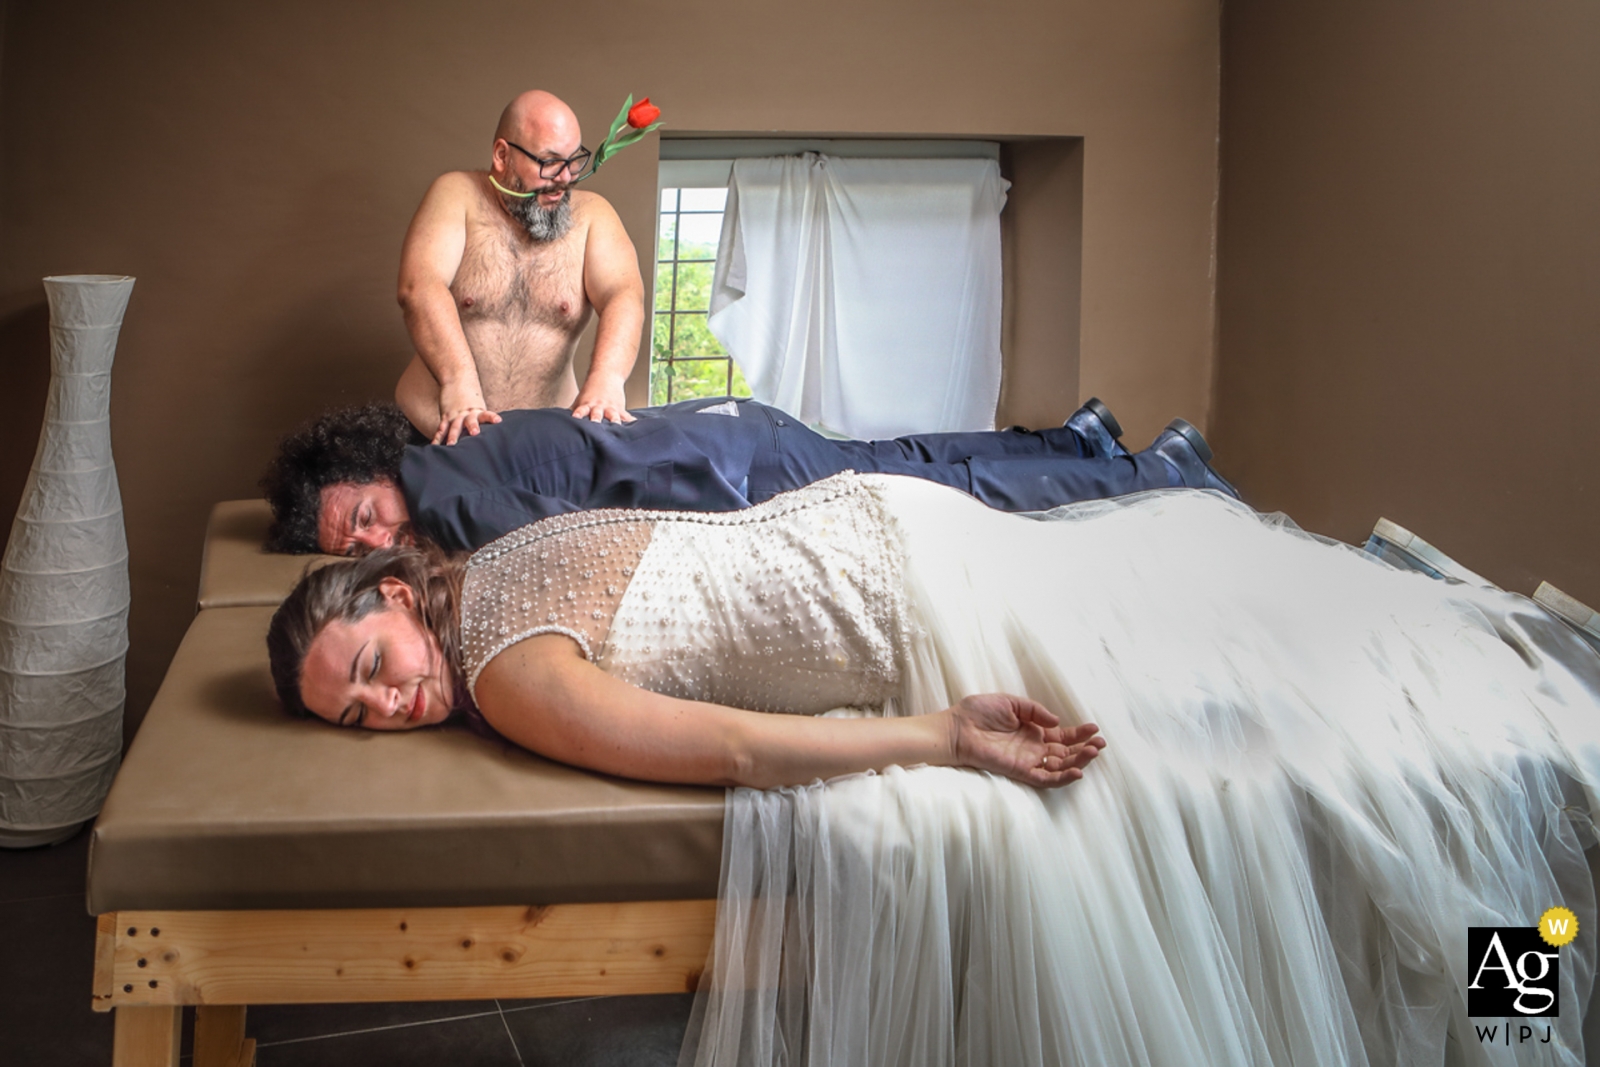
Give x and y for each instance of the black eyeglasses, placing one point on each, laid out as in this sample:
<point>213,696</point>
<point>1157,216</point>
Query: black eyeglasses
<point>574,164</point>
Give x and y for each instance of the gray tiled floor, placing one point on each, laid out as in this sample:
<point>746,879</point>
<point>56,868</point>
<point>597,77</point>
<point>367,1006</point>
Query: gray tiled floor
<point>46,1021</point>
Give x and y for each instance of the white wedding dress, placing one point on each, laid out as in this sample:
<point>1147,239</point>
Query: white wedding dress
<point>1321,771</point>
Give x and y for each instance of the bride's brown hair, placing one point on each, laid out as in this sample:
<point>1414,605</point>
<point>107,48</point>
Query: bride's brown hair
<point>348,590</point>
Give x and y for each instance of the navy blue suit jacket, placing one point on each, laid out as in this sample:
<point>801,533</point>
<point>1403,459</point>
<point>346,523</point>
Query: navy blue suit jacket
<point>539,463</point>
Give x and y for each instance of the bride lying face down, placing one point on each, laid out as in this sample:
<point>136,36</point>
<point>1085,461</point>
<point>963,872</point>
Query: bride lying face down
<point>374,643</point>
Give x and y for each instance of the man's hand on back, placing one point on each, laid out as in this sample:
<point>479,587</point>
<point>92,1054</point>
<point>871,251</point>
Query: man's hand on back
<point>601,400</point>
<point>461,411</point>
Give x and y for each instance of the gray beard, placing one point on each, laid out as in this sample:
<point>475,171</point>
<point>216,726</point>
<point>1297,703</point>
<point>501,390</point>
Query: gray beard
<point>544,224</point>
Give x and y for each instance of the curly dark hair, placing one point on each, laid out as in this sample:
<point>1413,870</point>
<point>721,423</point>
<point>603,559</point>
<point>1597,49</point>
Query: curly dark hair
<point>355,444</point>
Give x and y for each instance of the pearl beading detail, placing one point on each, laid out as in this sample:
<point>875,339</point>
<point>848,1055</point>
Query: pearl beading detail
<point>795,604</point>
<point>564,575</point>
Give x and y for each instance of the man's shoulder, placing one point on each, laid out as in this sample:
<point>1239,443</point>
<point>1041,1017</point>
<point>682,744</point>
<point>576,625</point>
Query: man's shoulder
<point>463,186</point>
<point>518,426</point>
<point>538,417</point>
<point>542,433</point>
<point>590,206</point>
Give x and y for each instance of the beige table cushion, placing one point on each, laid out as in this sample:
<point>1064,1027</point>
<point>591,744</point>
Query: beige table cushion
<point>235,572</point>
<point>226,802</point>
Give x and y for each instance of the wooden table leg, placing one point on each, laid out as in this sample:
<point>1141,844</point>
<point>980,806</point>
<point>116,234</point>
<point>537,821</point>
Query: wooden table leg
<point>147,1037</point>
<point>219,1039</point>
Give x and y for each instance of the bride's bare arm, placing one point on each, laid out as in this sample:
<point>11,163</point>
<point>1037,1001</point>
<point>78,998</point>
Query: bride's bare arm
<point>542,694</point>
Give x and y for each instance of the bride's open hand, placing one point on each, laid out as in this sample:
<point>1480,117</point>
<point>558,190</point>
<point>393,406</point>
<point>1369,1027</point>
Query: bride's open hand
<point>1020,739</point>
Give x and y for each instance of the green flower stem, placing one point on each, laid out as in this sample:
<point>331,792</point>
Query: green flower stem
<point>508,192</point>
<point>617,138</point>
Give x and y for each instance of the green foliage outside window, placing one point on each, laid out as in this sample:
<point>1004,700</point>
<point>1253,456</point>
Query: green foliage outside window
<point>686,360</point>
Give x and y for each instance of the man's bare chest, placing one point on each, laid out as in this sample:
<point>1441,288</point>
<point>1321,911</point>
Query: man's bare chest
<point>507,281</point>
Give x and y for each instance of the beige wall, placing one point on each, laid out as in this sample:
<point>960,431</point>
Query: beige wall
<point>1041,237</point>
<point>1409,301</point>
<point>255,167</point>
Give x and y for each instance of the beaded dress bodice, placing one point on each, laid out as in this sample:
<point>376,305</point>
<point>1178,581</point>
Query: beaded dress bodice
<point>794,605</point>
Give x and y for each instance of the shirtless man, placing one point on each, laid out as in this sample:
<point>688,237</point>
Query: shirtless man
<point>496,288</point>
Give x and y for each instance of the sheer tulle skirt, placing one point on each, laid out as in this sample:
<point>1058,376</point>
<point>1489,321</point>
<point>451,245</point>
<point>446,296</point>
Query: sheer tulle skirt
<point>1321,772</point>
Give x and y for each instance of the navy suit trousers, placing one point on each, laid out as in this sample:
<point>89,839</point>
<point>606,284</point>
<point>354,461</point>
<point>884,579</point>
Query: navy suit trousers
<point>1007,469</point>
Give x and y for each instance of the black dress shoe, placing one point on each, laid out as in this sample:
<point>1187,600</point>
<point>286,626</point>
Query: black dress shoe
<point>1183,446</point>
<point>1099,428</point>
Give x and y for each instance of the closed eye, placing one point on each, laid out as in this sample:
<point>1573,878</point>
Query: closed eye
<point>359,520</point>
<point>361,709</point>
<point>356,714</point>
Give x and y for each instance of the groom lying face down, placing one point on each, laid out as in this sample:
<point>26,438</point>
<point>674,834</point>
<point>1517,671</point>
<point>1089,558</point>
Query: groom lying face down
<point>359,478</point>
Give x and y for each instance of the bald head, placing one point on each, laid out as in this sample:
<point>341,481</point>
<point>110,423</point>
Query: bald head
<point>538,117</point>
<point>536,132</point>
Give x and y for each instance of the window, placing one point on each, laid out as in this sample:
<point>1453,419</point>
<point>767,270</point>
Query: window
<point>686,361</point>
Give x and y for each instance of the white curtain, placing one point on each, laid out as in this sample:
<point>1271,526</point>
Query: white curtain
<point>863,295</point>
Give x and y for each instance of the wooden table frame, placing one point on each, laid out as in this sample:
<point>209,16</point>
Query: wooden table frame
<point>149,964</point>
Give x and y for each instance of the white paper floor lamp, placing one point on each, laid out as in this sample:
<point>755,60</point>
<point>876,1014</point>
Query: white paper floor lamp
<point>64,585</point>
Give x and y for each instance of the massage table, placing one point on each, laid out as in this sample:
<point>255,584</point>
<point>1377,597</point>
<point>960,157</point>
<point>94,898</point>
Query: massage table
<point>244,857</point>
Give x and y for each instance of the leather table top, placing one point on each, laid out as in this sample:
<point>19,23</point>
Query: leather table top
<point>226,802</point>
<point>235,571</point>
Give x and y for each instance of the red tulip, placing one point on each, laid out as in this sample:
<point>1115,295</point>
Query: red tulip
<point>643,114</point>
